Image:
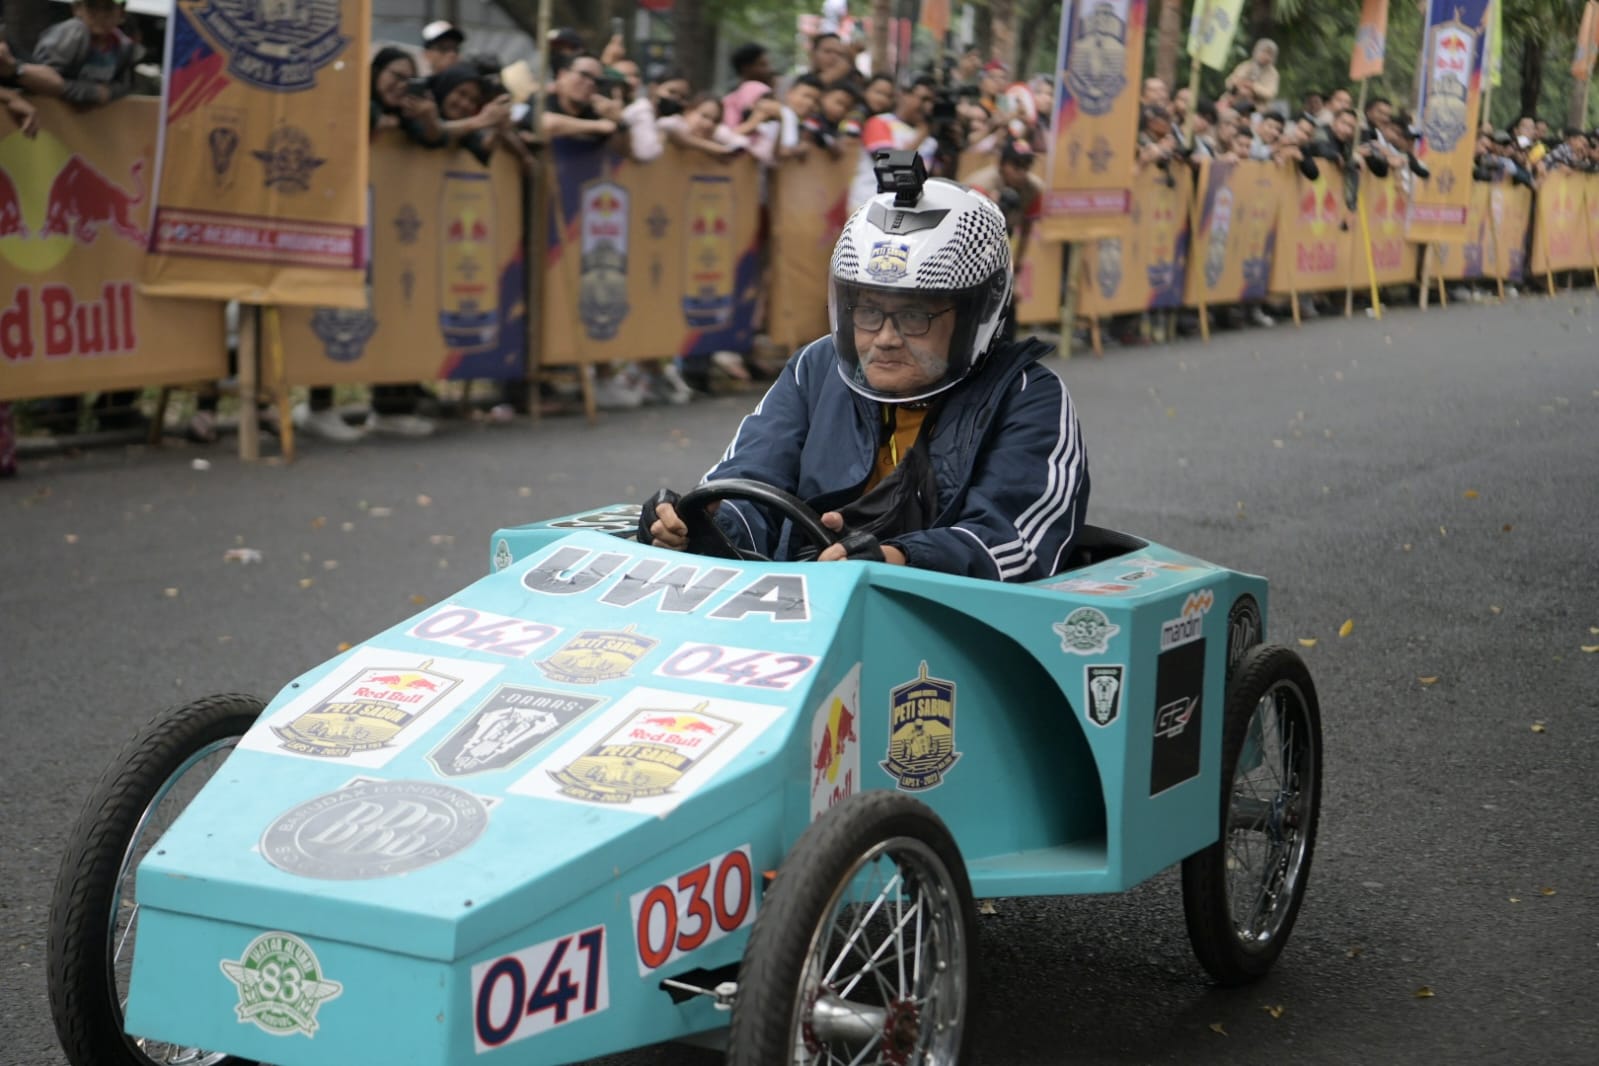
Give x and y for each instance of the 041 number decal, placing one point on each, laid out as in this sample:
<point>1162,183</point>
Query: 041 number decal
<point>695,908</point>
<point>534,990</point>
<point>737,666</point>
<point>496,634</point>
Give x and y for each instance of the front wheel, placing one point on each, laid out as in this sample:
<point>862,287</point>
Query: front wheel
<point>863,950</point>
<point>1242,894</point>
<point>93,914</point>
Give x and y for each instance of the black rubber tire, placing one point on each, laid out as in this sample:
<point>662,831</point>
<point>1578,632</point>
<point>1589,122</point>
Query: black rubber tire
<point>794,907</point>
<point>83,994</point>
<point>1244,631</point>
<point>1229,959</point>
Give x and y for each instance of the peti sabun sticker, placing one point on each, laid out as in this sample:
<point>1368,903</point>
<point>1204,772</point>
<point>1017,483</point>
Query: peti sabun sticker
<point>372,706</point>
<point>921,737</point>
<point>889,260</point>
<point>649,752</point>
<point>280,985</point>
<point>1086,631</point>
<point>596,655</point>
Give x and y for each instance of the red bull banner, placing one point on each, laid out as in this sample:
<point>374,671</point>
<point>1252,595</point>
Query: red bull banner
<point>1093,139</point>
<point>1038,282</point>
<point>262,168</point>
<point>1237,232</point>
<point>809,206</point>
<point>447,289</point>
<point>1392,256</point>
<point>1447,105</point>
<point>1494,244</point>
<point>1146,269</point>
<point>1371,41</point>
<point>1315,235</point>
<point>1566,230</point>
<point>658,259</point>
<point>74,214</point>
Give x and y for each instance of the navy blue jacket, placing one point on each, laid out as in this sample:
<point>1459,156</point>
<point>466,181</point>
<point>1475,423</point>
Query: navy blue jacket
<point>1006,451</point>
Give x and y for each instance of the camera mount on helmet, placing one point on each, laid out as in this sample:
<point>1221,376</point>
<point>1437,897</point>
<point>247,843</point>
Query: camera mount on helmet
<point>901,173</point>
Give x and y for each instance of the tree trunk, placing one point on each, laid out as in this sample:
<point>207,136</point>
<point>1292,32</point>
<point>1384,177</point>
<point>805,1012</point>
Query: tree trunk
<point>694,43</point>
<point>882,19</point>
<point>983,29</point>
<point>1004,31</point>
<point>1171,22</point>
<point>1577,106</point>
<point>1531,75</point>
<point>1042,18</point>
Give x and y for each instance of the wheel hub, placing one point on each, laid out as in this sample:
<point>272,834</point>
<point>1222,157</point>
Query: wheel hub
<point>902,1032</point>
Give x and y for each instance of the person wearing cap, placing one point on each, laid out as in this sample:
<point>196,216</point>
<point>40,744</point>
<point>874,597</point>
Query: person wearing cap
<point>86,60</point>
<point>914,431</point>
<point>441,46</point>
<point>565,41</point>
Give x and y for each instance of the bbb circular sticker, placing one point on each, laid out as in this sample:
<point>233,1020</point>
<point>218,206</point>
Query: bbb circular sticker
<point>372,829</point>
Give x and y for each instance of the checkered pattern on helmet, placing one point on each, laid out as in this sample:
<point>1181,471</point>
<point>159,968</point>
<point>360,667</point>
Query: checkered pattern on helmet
<point>845,262</point>
<point>977,250</point>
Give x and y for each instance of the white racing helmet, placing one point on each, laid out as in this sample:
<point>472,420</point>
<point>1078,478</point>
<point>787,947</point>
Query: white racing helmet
<point>928,236</point>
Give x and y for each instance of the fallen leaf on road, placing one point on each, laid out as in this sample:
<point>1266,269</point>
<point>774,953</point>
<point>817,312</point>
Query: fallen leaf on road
<point>1347,628</point>
<point>418,599</point>
<point>347,527</point>
<point>1406,547</point>
<point>442,538</point>
<point>1277,443</point>
<point>1424,992</point>
<point>424,501</point>
<point>1590,648</point>
<point>1354,952</point>
<point>986,906</point>
<point>524,491</point>
<point>1307,642</point>
<point>1594,630</point>
<point>1506,528</point>
<point>318,522</point>
<point>1471,494</point>
<point>245,556</point>
<point>307,582</point>
<point>1428,680</point>
<point>380,512</point>
<point>1275,1011</point>
<point>200,464</point>
<point>1537,727</point>
<point>170,594</point>
<point>1546,891</point>
<point>1216,1028</point>
<point>344,645</point>
<point>1443,531</point>
<point>330,564</point>
<point>71,538</point>
<point>1171,412</point>
<point>1515,899</point>
<point>1495,610</point>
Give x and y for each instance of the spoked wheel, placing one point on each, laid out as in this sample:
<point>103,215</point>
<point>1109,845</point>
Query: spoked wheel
<point>1242,894</point>
<point>863,949</point>
<point>93,916</point>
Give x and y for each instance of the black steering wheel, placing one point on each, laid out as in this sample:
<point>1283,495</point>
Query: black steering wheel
<point>705,537</point>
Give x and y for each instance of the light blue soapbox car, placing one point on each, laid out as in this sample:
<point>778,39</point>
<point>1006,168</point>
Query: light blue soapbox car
<point>612,795</point>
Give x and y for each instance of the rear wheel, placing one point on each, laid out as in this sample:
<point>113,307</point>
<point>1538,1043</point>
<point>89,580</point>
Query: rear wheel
<point>1242,894</point>
<point>863,949</point>
<point>93,915</point>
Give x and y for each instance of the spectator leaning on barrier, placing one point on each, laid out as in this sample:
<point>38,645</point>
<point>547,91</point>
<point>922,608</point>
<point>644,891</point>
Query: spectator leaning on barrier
<point>441,46</point>
<point>1571,154</point>
<point>752,66</point>
<point>699,126</point>
<point>401,100</point>
<point>16,105</point>
<point>86,60</point>
<point>834,124</point>
<point>575,109</point>
<point>831,62</point>
<point>783,137</point>
<point>879,95</point>
<point>904,128</point>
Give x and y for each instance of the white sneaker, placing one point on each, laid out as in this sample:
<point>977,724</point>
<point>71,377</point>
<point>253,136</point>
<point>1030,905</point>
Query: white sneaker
<point>670,387</point>
<point>731,364</point>
<point>618,393</point>
<point>1307,308</point>
<point>1461,294</point>
<point>400,425</point>
<point>1259,317</point>
<point>328,424</point>
<point>1511,292</point>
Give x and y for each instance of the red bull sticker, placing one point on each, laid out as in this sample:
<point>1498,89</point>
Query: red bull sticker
<point>372,706</point>
<point>921,738</point>
<point>649,752</point>
<point>836,745</point>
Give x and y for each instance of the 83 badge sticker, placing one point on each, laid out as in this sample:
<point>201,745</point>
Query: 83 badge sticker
<point>280,985</point>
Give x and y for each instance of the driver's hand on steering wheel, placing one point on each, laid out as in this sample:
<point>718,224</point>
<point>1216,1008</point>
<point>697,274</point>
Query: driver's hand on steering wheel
<point>835,552</point>
<point>668,530</point>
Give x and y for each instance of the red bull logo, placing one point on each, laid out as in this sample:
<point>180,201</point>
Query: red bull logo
<point>83,201</point>
<point>11,224</point>
<point>836,746</point>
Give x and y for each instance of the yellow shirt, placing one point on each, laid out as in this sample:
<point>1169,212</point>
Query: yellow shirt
<point>907,422</point>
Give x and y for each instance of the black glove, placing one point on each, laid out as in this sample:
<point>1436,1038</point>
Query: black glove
<point>647,516</point>
<point>858,544</point>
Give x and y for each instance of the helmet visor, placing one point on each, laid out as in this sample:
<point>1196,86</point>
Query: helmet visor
<point>900,345</point>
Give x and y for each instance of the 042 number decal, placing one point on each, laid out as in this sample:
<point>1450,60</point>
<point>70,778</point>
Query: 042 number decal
<point>697,907</point>
<point>746,667</point>
<point>534,990</point>
<point>496,634</point>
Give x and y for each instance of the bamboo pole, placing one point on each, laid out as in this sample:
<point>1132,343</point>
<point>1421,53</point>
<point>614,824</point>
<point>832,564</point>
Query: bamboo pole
<point>249,376</point>
<point>1360,118</point>
<point>1068,310</point>
<point>278,378</point>
<point>1371,266</point>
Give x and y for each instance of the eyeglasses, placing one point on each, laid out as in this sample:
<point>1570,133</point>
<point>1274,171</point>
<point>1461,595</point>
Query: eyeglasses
<point>907,323</point>
<point>594,79</point>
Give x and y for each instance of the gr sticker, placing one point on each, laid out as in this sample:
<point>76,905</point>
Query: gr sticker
<point>596,655</point>
<point>373,829</point>
<point>693,909</point>
<point>1104,687</point>
<point>374,704</point>
<point>1179,716</point>
<point>495,634</point>
<point>508,727</point>
<point>1086,631</point>
<point>836,745</point>
<point>747,667</point>
<point>649,752</point>
<point>280,985</point>
<point>1190,625</point>
<point>921,739</point>
<point>533,990</point>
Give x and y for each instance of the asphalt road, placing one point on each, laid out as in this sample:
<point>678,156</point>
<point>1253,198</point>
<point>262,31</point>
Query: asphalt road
<point>1431,477</point>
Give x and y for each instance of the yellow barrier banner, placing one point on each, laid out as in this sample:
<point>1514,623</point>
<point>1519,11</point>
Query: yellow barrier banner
<point>1093,138</point>
<point>1562,232</point>
<point>658,259</point>
<point>1315,235</point>
<point>262,168</point>
<point>447,296</point>
<point>1391,253</point>
<point>1038,281</point>
<point>73,220</point>
<point>1237,231</point>
<point>809,206</point>
<point>1146,269</point>
<point>1497,221</point>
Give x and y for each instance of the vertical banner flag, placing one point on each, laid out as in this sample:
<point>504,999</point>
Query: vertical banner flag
<point>935,18</point>
<point>1094,138</point>
<point>1583,53</point>
<point>1211,30</point>
<point>1371,41</point>
<point>1496,33</point>
<point>261,169</point>
<point>1450,93</point>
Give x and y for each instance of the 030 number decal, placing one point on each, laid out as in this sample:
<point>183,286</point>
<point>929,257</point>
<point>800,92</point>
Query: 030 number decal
<point>737,666</point>
<point>698,907</point>
<point>496,634</point>
<point>534,990</point>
